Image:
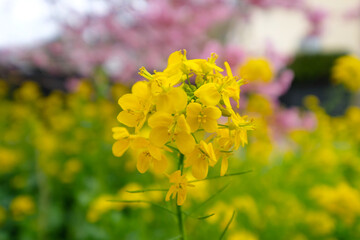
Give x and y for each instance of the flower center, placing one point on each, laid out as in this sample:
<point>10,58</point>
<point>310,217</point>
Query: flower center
<point>201,117</point>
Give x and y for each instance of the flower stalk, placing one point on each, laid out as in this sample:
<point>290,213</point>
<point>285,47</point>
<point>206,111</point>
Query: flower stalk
<point>178,207</point>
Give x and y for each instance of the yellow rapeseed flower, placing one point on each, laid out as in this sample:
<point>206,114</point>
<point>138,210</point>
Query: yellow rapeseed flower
<point>2,215</point>
<point>166,127</point>
<point>181,105</point>
<point>347,71</point>
<point>202,117</point>
<point>149,155</point>
<point>22,206</point>
<point>178,188</point>
<point>135,106</point>
<point>200,159</point>
<point>256,69</point>
<point>208,94</point>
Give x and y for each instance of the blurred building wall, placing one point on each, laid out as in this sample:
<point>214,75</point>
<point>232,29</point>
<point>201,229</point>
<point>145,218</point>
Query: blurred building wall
<point>285,28</point>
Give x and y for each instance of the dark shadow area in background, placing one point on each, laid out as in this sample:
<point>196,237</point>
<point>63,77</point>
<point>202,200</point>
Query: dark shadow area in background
<point>313,77</point>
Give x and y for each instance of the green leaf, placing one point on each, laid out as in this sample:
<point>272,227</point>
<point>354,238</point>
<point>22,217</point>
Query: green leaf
<point>205,217</point>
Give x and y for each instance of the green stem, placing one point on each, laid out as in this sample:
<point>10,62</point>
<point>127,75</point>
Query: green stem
<point>178,208</point>
<point>180,222</point>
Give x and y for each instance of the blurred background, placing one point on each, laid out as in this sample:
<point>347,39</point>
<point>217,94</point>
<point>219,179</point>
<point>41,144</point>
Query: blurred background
<point>64,64</point>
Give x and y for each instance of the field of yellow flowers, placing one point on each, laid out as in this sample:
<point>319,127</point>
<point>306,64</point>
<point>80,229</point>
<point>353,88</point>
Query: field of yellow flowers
<point>60,179</point>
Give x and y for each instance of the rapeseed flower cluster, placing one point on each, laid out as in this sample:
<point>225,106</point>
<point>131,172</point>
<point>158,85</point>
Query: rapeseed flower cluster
<point>346,71</point>
<point>257,69</point>
<point>186,109</point>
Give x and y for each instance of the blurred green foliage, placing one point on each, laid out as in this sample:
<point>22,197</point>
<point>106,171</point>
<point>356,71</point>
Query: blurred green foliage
<point>58,174</point>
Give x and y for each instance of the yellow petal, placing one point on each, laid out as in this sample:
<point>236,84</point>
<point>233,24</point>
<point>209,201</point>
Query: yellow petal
<point>129,119</point>
<point>143,162</point>
<point>226,100</point>
<point>160,119</point>
<point>173,101</point>
<point>178,98</point>
<point>191,157</point>
<point>140,142</point>
<point>175,58</point>
<point>181,197</point>
<point>172,190</point>
<point>208,94</point>
<point>155,152</point>
<point>120,146</point>
<point>141,89</point>
<point>210,125</point>
<point>129,101</point>
<point>212,112</point>
<point>194,65</point>
<point>212,158</point>
<point>209,150</point>
<point>185,142</point>
<point>120,132</point>
<point>159,136</point>
<point>200,168</point>
<point>175,77</point>
<point>160,165</point>
<point>163,103</point>
<point>175,176</point>
<point>194,123</point>
<point>224,165</point>
<point>228,69</point>
<point>193,109</point>
<point>182,125</point>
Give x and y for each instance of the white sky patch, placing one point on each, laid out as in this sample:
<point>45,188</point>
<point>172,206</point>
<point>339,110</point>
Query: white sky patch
<point>28,22</point>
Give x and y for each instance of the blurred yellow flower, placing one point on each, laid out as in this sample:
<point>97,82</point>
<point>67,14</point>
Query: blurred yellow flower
<point>8,160</point>
<point>71,168</point>
<point>347,71</point>
<point>257,69</point>
<point>2,215</point>
<point>22,206</point>
<point>85,89</point>
<point>259,104</point>
<point>100,206</point>
<point>29,91</point>
<point>247,205</point>
<point>320,223</point>
<point>341,200</point>
<point>242,235</point>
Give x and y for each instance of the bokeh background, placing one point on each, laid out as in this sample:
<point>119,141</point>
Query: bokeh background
<point>64,64</point>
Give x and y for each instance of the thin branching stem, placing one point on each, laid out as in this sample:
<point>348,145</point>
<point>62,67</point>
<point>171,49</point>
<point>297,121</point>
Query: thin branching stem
<point>227,226</point>
<point>209,199</point>
<point>178,208</point>
<point>143,201</point>
<point>147,190</point>
<point>226,175</point>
